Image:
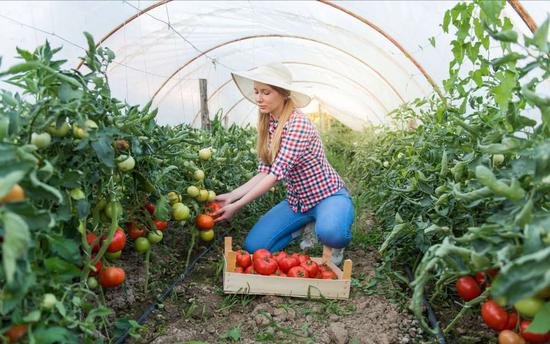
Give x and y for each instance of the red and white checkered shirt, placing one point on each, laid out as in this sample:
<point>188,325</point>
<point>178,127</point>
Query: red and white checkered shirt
<point>302,163</point>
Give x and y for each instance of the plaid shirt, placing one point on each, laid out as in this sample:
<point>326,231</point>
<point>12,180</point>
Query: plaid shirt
<point>302,162</point>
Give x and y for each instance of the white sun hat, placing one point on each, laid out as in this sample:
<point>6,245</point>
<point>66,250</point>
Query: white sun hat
<point>275,74</point>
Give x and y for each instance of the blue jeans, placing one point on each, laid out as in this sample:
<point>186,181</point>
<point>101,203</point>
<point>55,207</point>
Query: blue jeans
<point>333,217</point>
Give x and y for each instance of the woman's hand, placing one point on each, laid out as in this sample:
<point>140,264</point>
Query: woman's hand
<point>224,199</point>
<point>226,213</point>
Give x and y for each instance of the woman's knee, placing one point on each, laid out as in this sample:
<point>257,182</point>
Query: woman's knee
<point>333,235</point>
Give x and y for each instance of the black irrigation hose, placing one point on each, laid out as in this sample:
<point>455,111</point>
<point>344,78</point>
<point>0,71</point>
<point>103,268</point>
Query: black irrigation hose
<point>431,314</point>
<point>168,290</point>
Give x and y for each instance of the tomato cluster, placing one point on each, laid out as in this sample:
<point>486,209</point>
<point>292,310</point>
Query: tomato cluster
<point>281,264</point>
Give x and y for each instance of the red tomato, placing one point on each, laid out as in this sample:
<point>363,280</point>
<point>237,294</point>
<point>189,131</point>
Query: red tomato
<point>91,238</point>
<point>494,316</point>
<point>467,288</point>
<point>204,222</point>
<point>324,267</point>
<point>481,279</point>
<point>303,258</point>
<point>98,267</point>
<point>279,255</point>
<point>311,267</point>
<point>111,277</point>
<point>530,336</point>
<point>239,269</point>
<point>287,263</point>
<point>150,208</point>
<point>278,273</point>
<point>265,266</point>
<point>329,275</point>
<point>249,270</point>
<point>260,253</point>
<point>492,272</point>
<point>243,259</point>
<point>161,225</point>
<point>118,242</point>
<point>512,320</point>
<point>16,332</point>
<point>297,271</point>
<point>135,231</point>
<point>212,207</point>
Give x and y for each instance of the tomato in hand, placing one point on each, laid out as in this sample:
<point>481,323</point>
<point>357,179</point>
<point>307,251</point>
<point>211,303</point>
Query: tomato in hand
<point>118,242</point>
<point>287,263</point>
<point>311,267</point>
<point>204,222</point>
<point>531,336</point>
<point>134,231</point>
<point>161,225</point>
<point>297,271</point>
<point>265,266</point>
<point>494,316</point>
<point>243,259</point>
<point>260,253</point>
<point>111,277</point>
<point>467,288</point>
<point>211,208</point>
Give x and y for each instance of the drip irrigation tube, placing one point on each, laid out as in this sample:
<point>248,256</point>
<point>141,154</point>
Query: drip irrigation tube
<point>168,290</point>
<point>431,314</point>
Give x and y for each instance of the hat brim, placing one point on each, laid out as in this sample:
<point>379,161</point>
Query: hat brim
<point>245,84</point>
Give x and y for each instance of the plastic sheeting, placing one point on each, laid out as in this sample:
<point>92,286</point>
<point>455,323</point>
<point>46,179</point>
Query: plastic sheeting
<point>351,68</point>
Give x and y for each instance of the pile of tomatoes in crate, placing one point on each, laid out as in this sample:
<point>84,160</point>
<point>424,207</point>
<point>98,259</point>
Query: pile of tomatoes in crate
<point>281,264</point>
<point>497,317</point>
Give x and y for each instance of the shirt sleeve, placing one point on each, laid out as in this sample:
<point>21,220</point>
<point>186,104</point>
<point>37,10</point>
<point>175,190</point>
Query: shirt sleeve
<point>293,145</point>
<point>262,167</point>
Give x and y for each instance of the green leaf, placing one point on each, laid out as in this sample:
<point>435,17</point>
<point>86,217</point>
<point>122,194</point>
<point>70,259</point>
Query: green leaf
<point>541,322</point>
<point>53,335</point>
<point>492,9</point>
<point>541,36</point>
<point>234,334</point>
<point>503,91</point>
<point>98,312</point>
<point>16,242</point>
<point>104,150</point>
<point>65,248</point>
<point>7,182</point>
<point>58,266</point>
<point>67,93</point>
<point>33,316</point>
<point>48,188</point>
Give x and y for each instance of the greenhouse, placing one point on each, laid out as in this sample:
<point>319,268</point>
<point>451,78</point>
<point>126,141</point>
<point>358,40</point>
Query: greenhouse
<point>275,172</point>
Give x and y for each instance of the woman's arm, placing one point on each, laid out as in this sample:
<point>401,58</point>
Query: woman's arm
<point>243,189</point>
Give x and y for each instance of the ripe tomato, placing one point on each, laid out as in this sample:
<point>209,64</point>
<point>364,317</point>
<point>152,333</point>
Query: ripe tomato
<point>16,194</point>
<point>297,271</point>
<point>494,316</point>
<point>324,267</point>
<point>212,207</point>
<point>239,270</point>
<point>510,337</point>
<point>492,272</point>
<point>329,275</point>
<point>278,273</point>
<point>150,208</point>
<point>91,238</point>
<point>161,225</point>
<point>530,336</point>
<point>249,270</point>
<point>260,253</point>
<point>243,259</point>
<point>134,231</point>
<point>303,258</point>
<point>513,320</point>
<point>265,266</point>
<point>278,256</point>
<point>286,263</point>
<point>204,222</point>
<point>481,279</point>
<point>118,242</point>
<point>467,288</point>
<point>98,267</point>
<point>16,332</point>
<point>111,277</point>
<point>311,267</point>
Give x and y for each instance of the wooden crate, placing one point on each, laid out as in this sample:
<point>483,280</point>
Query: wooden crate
<point>239,283</point>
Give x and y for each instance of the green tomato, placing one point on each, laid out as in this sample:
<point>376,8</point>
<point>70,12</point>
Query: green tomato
<point>498,159</point>
<point>113,255</point>
<point>207,235</point>
<point>546,239</point>
<point>529,306</point>
<point>193,191</point>
<point>78,132</point>
<point>198,175</point>
<point>77,194</point>
<point>92,282</point>
<point>203,195</point>
<point>42,140</point>
<point>109,209</point>
<point>126,163</point>
<point>142,244</point>
<point>58,131</point>
<point>48,301</point>
<point>155,236</point>
<point>205,154</point>
<point>386,164</point>
<point>211,195</point>
<point>180,212</point>
<point>89,124</point>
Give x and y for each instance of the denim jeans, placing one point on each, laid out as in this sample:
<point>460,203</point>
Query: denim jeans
<point>333,217</point>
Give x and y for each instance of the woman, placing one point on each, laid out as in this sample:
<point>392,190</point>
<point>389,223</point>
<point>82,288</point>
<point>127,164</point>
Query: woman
<point>289,148</point>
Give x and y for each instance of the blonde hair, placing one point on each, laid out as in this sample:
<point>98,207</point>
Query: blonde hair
<point>262,145</point>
